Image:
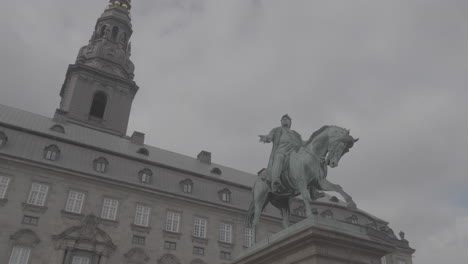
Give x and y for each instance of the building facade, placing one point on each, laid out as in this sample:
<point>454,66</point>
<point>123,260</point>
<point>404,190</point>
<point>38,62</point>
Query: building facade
<point>75,189</point>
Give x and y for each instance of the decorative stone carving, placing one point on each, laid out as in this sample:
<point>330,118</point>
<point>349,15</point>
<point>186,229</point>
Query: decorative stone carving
<point>86,236</point>
<point>25,237</point>
<point>168,259</point>
<point>136,256</point>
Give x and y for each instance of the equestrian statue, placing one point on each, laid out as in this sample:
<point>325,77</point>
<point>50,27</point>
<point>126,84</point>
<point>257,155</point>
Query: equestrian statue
<point>298,167</point>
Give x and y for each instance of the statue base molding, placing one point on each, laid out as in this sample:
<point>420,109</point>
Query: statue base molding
<point>318,241</point>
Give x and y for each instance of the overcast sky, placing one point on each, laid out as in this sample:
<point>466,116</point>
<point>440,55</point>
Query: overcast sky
<point>214,74</point>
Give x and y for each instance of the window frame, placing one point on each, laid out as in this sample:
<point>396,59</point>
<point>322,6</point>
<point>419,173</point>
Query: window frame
<point>36,201</point>
<point>51,152</point>
<point>74,205</point>
<point>225,234</point>
<point>101,165</point>
<point>19,247</point>
<point>3,139</point>
<point>169,224</point>
<point>106,217</point>
<point>249,237</point>
<point>200,228</point>
<point>144,216</point>
<point>4,184</point>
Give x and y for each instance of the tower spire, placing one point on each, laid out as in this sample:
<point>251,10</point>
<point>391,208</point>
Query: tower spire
<point>99,89</point>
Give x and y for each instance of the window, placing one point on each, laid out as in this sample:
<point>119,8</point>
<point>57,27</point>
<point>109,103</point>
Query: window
<point>352,219</point>
<point>142,215</point>
<point>4,181</point>
<point>3,139</point>
<point>30,220</point>
<point>187,186</point>
<point>199,227</point>
<point>80,260</point>
<point>139,240</point>
<point>143,151</point>
<point>145,176</point>
<point>225,255</point>
<point>115,32</point>
<point>75,202</point>
<point>51,152</point>
<point>38,194</point>
<point>99,105</point>
<point>249,237</point>
<point>109,209</point>
<point>58,128</point>
<point>327,214</point>
<point>401,262</point>
<point>103,31</point>
<point>172,222</point>
<point>225,195</point>
<point>225,233</point>
<point>216,171</point>
<point>19,255</point>
<point>199,251</point>
<point>100,165</point>
<point>170,245</point>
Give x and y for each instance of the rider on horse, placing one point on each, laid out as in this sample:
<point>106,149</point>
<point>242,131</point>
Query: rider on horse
<point>285,140</point>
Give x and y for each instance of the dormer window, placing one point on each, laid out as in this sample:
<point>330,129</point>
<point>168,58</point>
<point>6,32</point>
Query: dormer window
<point>143,151</point>
<point>216,171</point>
<point>146,176</point>
<point>334,199</point>
<point>3,139</point>
<point>100,165</point>
<point>186,186</point>
<point>58,128</point>
<point>98,106</point>
<point>327,214</point>
<point>225,195</point>
<point>51,152</point>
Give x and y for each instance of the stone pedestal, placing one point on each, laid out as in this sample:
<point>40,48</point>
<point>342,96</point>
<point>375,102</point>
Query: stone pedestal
<point>318,241</point>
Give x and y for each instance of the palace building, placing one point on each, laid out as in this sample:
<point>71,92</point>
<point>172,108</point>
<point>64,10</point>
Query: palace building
<point>75,189</point>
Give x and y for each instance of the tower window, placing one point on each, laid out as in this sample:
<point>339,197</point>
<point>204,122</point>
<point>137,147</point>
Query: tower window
<point>99,105</point>
<point>115,32</point>
<point>103,31</point>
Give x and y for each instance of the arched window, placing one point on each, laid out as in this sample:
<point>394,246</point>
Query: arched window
<point>123,40</point>
<point>99,105</point>
<point>216,171</point>
<point>143,151</point>
<point>100,164</point>
<point>225,195</point>
<point>51,152</point>
<point>146,176</point>
<point>58,128</point>
<point>3,139</point>
<point>115,32</point>
<point>22,242</point>
<point>103,31</point>
<point>186,186</point>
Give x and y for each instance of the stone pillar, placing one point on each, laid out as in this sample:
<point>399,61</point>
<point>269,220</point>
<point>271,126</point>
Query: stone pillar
<point>318,241</point>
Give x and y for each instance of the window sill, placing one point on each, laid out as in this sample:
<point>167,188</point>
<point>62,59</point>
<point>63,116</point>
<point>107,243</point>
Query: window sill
<point>170,234</point>
<point>3,201</point>
<point>225,245</point>
<point>34,208</point>
<point>142,229</point>
<point>200,240</point>
<point>72,215</point>
<point>108,222</point>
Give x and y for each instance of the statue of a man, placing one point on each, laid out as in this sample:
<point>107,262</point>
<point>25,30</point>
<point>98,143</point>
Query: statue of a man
<point>285,140</point>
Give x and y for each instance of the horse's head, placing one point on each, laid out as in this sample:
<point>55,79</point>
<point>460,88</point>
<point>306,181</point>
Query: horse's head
<point>340,141</point>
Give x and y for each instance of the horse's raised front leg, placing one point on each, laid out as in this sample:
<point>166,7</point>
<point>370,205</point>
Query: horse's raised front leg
<point>328,186</point>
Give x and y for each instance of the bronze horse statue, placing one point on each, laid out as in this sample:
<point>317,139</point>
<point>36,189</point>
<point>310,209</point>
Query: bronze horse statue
<point>305,173</point>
